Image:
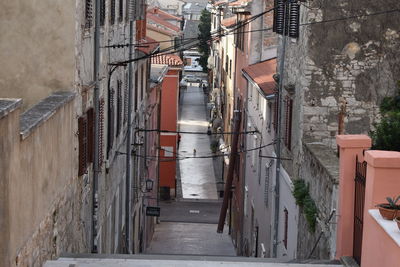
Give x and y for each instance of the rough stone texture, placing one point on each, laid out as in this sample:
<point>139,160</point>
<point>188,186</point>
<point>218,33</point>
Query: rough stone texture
<point>320,169</point>
<point>349,62</point>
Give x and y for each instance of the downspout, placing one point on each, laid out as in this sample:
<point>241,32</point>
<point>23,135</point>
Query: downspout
<point>128,198</point>
<point>96,97</point>
<point>278,140</point>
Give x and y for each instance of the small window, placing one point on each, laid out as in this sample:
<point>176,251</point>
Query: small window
<point>88,13</point>
<point>121,11</point>
<point>102,12</point>
<point>288,122</point>
<point>285,233</point>
<point>230,68</point>
<point>112,12</point>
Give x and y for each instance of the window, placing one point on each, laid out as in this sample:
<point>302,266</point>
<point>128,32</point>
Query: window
<point>88,13</point>
<point>111,118</point>
<point>255,152</point>
<point>82,135</point>
<point>143,82</point>
<point>101,132</point>
<point>267,181</point>
<point>121,11</point>
<point>136,90</point>
<point>239,36</point>
<point>226,63</point>
<point>285,233</point>
<point>288,122</point>
<point>276,113</point>
<point>102,12</point>
<point>90,134</point>
<point>119,107</point>
<point>230,68</point>
<point>126,96</point>
<point>112,12</point>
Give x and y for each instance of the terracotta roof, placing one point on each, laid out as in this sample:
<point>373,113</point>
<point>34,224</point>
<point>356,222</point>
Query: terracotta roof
<point>162,14</point>
<point>219,3</point>
<point>169,59</point>
<point>229,22</point>
<point>161,30</point>
<point>239,3</point>
<point>148,45</point>
<point>262,74</point>
<point>163,22</point>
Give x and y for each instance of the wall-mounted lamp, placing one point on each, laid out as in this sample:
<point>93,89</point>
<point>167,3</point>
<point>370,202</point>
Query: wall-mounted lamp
<point>149,185</point>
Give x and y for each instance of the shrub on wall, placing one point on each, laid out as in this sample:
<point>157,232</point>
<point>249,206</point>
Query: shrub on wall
<point>387,131</point>
<point>302,195</point>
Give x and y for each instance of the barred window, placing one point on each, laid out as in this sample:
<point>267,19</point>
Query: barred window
<point>112,12</point>
<point>88,13</point>
<point>102,12</point>
<point>121,10</point>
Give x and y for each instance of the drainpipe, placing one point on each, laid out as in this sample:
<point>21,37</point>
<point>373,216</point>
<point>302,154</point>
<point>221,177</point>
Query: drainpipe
<point>128,198</point>
<point>278,140</point>
<point>96,97</point>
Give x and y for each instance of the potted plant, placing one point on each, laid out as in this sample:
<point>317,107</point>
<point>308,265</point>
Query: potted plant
<point>389,210</point>
<point>397,220</point>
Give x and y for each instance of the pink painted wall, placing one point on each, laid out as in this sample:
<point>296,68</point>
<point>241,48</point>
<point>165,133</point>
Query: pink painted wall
<point>383,179</point>
<point>350,146</point>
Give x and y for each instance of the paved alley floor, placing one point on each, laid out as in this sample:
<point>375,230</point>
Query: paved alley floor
<point>197,174</point>
<point>177,238</point>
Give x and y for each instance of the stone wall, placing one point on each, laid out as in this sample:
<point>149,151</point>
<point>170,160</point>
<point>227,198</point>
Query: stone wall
<point>319,169</point>
<point>48,208</point>
<point>350,62</point>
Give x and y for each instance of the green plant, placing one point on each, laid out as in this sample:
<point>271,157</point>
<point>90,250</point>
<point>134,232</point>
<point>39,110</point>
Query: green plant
<point>204,36</point>
<point>302,195</point>
<point>300,191</point>
<point>393,202</point>
<point>214,146</point>
<point>310,212</point>
<point>386,133</point>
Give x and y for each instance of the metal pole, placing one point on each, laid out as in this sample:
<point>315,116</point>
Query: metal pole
<point>96,96</point>
<point>279,102</point>
<point>128,198</point>
<point>228,184</point>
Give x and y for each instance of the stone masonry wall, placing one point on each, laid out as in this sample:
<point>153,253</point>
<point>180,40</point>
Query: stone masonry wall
<point>350,62</point>
<point>320,170</point>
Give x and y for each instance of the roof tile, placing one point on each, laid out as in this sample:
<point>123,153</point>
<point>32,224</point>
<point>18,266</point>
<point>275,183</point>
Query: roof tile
<point>262,74</point>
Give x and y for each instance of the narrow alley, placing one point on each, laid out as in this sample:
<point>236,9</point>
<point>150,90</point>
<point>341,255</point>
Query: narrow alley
<point>188,224</point>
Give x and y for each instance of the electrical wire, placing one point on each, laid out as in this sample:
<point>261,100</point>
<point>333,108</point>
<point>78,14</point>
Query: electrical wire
<point>191,132</point>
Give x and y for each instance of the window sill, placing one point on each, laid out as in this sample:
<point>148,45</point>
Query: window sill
<point>390,227</point>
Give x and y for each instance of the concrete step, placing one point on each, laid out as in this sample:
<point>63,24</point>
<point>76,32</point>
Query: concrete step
<point>103,260</point>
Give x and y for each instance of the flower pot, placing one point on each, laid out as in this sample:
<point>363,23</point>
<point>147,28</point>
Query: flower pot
<point>387,212</point>
<point>397,220</point>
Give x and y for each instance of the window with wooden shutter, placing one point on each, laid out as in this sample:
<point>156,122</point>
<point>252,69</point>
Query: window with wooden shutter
<point>136,90</point>
<point>288,122</point>
<point>82,135</point>
<point>126,95</point>
<point>110,120</point>
<point>112,12</point>
<point>119,107</point>
<point>90,134</point>
<point>276,113</point>
<point>88,13</point>
<point>101,132</point>
<point>121,11</point>
<point>286,221</point>
<point>102,12</point>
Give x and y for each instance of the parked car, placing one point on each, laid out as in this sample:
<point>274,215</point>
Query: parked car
<point>191,79</point>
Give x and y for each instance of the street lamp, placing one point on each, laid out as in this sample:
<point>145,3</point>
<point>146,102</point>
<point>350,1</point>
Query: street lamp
<point>149,185</point>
